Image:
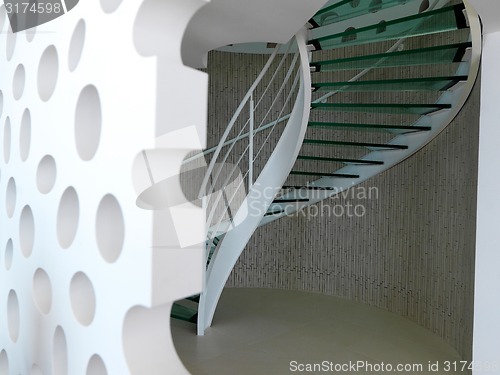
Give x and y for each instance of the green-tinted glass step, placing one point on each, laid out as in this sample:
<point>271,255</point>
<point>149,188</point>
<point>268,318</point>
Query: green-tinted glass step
<point>185,313</point>
<point>347,9</point>
<point>213,245</point>
<point>435,21</point>
<point>277,212</point>
<point>195,298</point>
<point>392,128</point>
<point>341,160</point>
<point>341,175</point>
<point>296,187</point>
<point>378,146</point>
<point>299,200</point>
<point>433,55</point>
<point>415,109</point>
<point>408,84</point>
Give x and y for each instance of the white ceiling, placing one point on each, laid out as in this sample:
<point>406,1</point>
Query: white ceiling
<point>489,11</point>
<point>223,22</point>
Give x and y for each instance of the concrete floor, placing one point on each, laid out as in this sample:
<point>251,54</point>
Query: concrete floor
<point>274,332</point>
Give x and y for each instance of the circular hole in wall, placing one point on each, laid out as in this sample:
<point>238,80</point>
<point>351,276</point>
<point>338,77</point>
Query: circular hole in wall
<point>30,34</point>
<point>350,36</point>
<point>19,82</point>
<point>110,228</point>
<point>35,370</point>
<point>82,298</point>
<point>382,27</point>
<point>424,5</point>
<point>48,70</point>
<point>46,174</point>
<point>13,315</point>
<point>375,6</point>
<point>328,18</point>
<point>96,366</point>
<point>67,217</point>
<point>109,6</point>
<point>7,132</point>
<point>26,231</point>
<point>42,291</point>
<point>9,254</point>
<point>10,197</point>
<point>76,45</point>
<point>25,135</point>
<point>11,44</point>
<point>88,119</point>
<point>60,353</point>
<point>3,16</point>
<point>4,363</point>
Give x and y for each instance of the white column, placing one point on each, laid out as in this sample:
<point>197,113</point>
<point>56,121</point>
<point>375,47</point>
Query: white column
<point>487,284</point>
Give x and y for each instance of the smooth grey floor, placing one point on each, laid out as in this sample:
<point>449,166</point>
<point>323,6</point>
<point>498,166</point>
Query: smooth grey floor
<point>260,331</point>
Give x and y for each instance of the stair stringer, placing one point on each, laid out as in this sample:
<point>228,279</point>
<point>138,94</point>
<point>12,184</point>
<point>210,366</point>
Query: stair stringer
<point>260,195</point>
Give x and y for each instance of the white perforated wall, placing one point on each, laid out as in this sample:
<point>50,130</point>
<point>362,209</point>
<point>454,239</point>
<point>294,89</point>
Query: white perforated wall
<point>86,276</point>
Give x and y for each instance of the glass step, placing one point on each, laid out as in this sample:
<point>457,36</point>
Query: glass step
<point>415,109</point>
<point>195,298</point>
<point>270,213</point>
<point>342,175</point>
<point>341,160</point>
<point>408,84</point>
<point>185,313</point>
<point>213,245</point>
<point>377,146</point>
<point>212,242</point>
<point>435,21</point>
<point>296,187</point>
<point>347,9</point>
<point>299,200</point>
<point>392,128</point>
<point>445,54</point>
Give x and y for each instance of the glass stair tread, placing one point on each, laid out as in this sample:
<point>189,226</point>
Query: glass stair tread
<point>406,84</point>
<point>298,200</point>
<point>213,245</point>
<point>416,109</point>
<point>185,313</point>
<point>322,174</point>
<point>391,128</point>
<point>297,187</point>
<point>195,298</point>
<point>341,160</point>
<point>444,54</point>
<point>379,146</point>
<point>344,10</point>
<point>277,212</point>
<point>431,22</point>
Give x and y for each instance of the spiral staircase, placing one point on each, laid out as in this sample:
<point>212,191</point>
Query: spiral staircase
<point>363,86</point>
